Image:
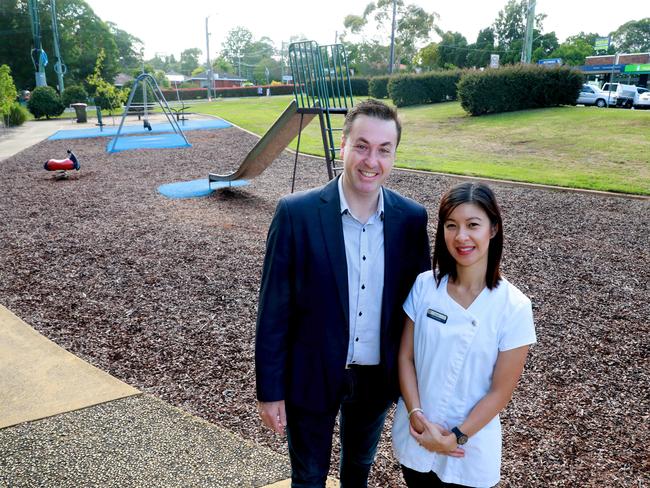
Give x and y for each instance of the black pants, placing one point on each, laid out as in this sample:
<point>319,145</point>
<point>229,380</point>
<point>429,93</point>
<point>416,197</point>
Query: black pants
<point>415,479</point>
<point>309,434</point>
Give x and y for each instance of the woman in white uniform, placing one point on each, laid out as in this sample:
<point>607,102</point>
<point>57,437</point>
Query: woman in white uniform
<point>463,349</point>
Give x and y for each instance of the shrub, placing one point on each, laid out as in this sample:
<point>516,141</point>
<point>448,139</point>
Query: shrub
<point>432,87</point>
<point>518,88</point>
<point>74,94</point>
<point>17,116</point>
<point>359,86</point>
<point>7,90</point>
<point>45,101</point>
<point>378,87</point>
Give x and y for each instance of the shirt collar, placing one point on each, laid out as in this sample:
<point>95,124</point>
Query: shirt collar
<point>345,208</point>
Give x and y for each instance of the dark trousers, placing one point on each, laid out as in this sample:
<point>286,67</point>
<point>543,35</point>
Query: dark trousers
<point>363,411</point>
<point>415,479</point>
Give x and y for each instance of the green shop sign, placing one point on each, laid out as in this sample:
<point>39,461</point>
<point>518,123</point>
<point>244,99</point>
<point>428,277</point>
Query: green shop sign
<point>637,68</point>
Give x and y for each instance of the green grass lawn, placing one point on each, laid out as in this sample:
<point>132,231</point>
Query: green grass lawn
<point>579,147</point>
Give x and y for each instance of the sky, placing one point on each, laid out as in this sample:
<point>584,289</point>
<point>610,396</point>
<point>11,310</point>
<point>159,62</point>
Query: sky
<point>168,27</point>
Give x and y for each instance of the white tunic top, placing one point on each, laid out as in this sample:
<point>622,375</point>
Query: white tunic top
<point>454,362</point>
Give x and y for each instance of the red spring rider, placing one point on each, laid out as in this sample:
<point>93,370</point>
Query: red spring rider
<point>63,164</point>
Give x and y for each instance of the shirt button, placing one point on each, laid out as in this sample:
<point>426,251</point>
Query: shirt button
<point>364,230</point>
<point>360,314</point>
<point>363,287</point>
<point>364,258</point>
<point>356,340</point>
<point>474,323</point>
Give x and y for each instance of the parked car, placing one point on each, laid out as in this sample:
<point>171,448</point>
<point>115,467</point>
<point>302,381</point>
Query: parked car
<point>642,100</point>
<point>625,94</point>
<point>592,95</point>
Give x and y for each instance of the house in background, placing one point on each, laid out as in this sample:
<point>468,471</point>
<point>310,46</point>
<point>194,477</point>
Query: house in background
<point>219,80</point>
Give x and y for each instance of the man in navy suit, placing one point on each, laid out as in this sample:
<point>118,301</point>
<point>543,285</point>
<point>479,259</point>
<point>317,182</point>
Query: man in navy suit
<point>340,261</point>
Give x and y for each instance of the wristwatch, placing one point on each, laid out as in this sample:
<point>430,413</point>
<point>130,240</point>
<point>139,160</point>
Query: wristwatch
<point>461,438</point>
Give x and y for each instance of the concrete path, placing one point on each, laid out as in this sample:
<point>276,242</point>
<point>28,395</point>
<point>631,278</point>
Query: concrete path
<point>39,379</point>
<point>65,423</point>
<point>15,139</point>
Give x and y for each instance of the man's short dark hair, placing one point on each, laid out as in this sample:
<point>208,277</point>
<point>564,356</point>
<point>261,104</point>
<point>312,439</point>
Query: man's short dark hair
<point>372,108</point>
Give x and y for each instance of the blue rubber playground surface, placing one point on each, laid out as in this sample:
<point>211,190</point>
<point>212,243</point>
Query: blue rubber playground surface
<point>196,188</point>
<point>153,141</point>
<point>129,130</point>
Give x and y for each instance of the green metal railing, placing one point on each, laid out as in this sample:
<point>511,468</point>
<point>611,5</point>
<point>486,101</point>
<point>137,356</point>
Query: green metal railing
<point>321,84</point>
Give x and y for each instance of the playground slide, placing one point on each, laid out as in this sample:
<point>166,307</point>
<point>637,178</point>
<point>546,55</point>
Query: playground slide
<point>268,148</point>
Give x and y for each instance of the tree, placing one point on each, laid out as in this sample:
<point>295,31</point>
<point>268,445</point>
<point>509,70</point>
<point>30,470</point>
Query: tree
<point>510,28</point>
<point>221,65</point>
<point>128,47</point>
<point>237,42</point>
<point>573,52</point>
<point>414,25</point>
<point>543,46</point>
<point>106,95</point>
<point>478,54</point>
<point>633,36</point>
<point>82,35</point>
<point>428,57</point>
<point>190,60</point>
<point>266,71</point>
<point>7,91</point>
<point>452,50</point>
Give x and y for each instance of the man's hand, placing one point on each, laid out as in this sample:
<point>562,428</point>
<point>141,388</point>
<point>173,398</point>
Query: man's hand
<point>273,415</point>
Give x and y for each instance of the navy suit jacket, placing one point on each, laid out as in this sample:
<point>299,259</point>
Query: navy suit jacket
<point>302,324</point>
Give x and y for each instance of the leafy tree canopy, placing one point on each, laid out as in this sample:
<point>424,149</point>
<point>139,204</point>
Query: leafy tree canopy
<point>633,36</point>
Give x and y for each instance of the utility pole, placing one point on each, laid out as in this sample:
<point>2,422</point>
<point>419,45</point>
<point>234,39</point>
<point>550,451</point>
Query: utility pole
<point>527,52</point>
<point>207,47</point>
<point>59,67</point>
<point>392,38</point>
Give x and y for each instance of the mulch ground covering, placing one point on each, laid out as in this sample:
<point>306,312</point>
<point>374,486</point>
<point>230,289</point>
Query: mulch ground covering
<point>163,295</point>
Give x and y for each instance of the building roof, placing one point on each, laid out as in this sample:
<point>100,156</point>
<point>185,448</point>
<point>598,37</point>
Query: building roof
<point>626,58</point>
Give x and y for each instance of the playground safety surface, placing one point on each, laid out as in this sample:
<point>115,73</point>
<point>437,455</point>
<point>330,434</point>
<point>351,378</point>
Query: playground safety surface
<point>162,295</point>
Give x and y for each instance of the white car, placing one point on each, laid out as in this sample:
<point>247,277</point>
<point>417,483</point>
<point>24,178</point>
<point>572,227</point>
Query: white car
<point>642,100</point>
<point>592,95</point>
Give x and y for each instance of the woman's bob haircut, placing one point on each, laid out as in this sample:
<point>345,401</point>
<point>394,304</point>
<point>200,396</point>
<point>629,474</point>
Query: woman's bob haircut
<point>482,196</point>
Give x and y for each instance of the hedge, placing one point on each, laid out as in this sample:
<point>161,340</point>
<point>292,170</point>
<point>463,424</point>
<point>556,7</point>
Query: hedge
<point>518,87</point>
<point>433,87</point>
<point>45,101</point>
<point>359,86</point>
<point>378,87</point>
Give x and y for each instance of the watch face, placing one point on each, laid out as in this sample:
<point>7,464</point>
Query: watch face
<point>460,437</point>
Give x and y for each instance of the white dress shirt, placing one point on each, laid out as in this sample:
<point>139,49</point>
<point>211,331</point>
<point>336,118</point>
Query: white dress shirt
<point>454,362</point>
<point>364,252</point>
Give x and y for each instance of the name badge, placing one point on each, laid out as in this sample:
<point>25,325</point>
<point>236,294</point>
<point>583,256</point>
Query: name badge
<point>435,315</point>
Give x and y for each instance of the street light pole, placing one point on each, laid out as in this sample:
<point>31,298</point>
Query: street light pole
<point>207,47</point>
<point>392,38</point>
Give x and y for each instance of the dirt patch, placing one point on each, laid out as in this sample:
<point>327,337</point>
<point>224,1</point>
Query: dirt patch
<point>163,295</point>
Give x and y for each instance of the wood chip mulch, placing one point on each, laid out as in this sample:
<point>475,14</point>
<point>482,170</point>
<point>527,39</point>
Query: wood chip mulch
<point>163,294</point>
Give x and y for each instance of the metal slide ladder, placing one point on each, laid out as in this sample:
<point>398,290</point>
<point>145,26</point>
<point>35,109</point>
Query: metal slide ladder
<point>321,86</point>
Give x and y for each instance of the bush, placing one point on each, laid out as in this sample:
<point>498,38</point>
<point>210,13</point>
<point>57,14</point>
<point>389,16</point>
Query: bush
<point>359,86</point>
<point>74,94</point>
<point>518,88</point>
<point>432,87</point>
<point>45,101</point>
<point>7,90</point>
<point>17,116</point>
<point>378,87</point>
